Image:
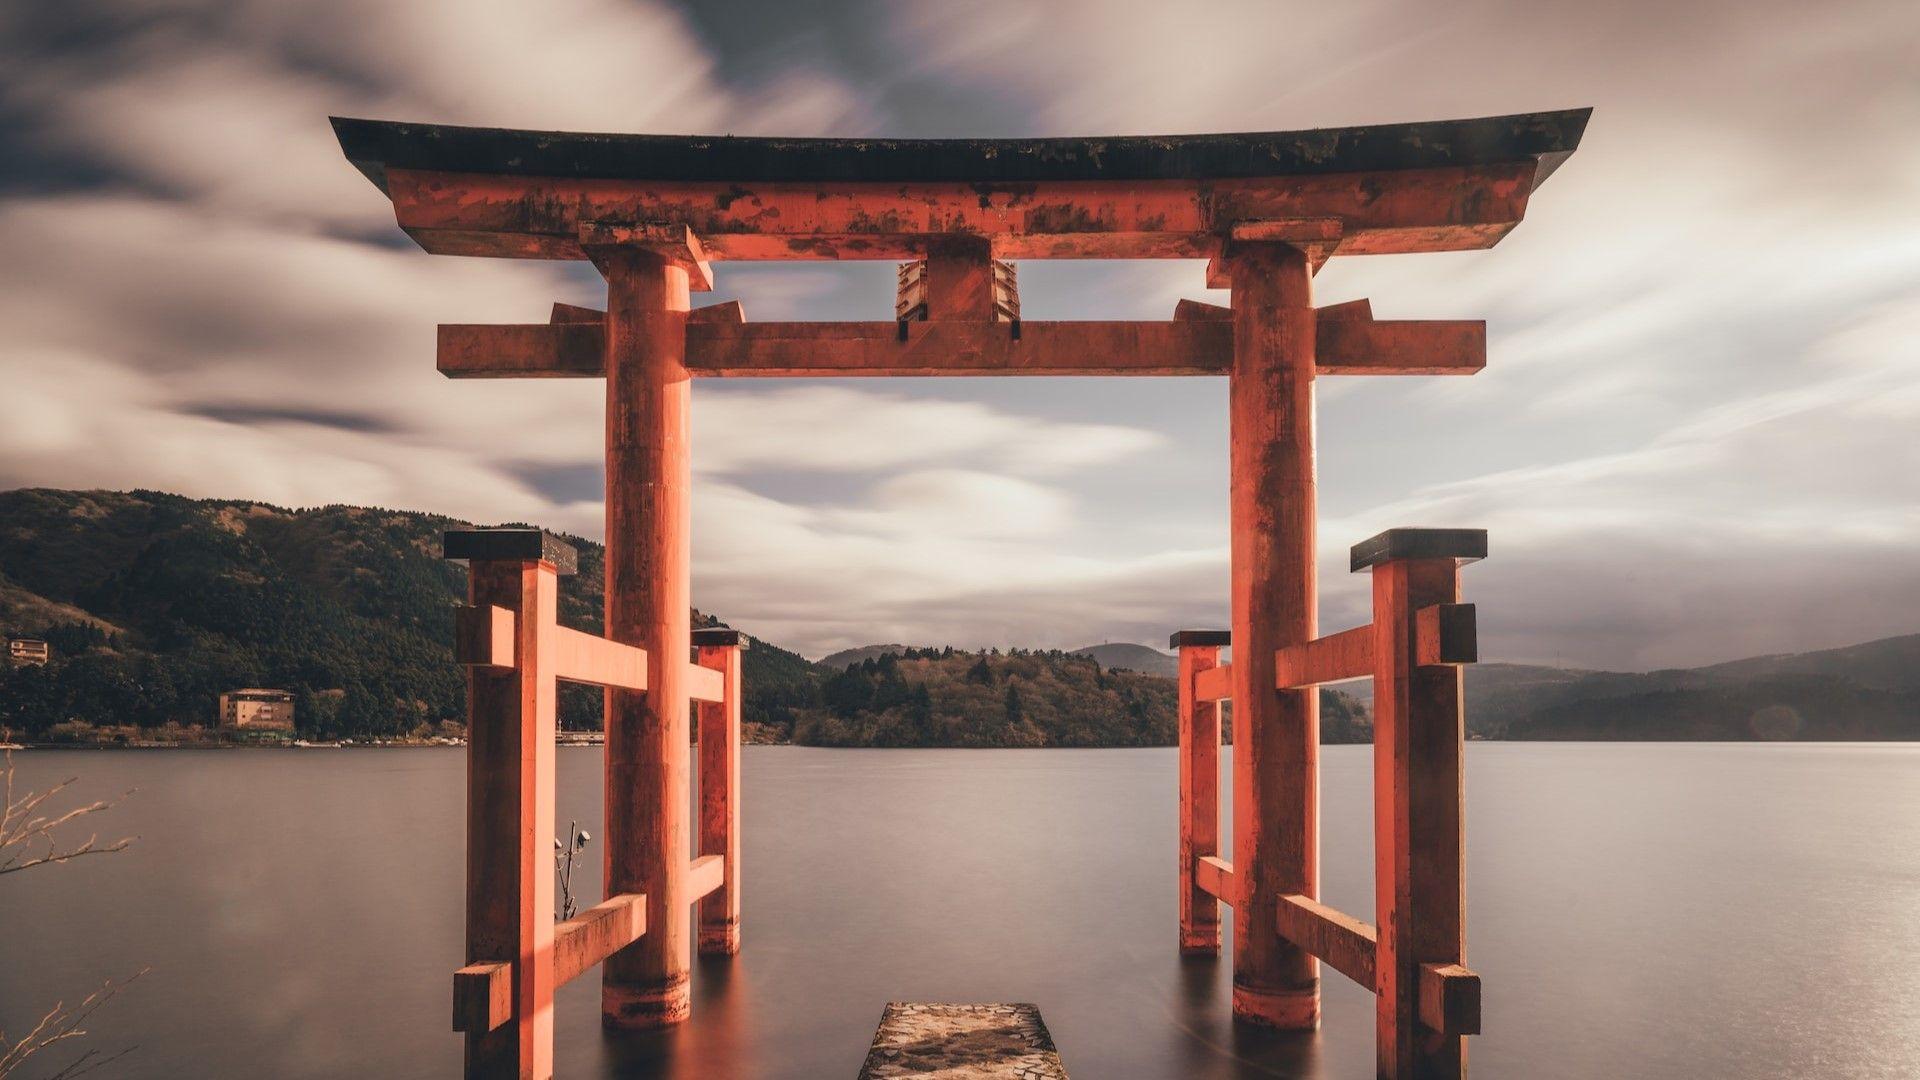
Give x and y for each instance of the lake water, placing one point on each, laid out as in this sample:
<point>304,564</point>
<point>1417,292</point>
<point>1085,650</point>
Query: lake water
<point>1649,911</point>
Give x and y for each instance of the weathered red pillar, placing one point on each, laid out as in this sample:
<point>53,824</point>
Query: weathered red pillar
<point>1199,789</point>
<point>1276,733</point>
<point>720,650</point>
<point>510,789</point>
<point>649,591</point>
<point>1420,634</point>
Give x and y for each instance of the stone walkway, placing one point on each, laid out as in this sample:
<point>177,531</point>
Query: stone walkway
<point>962,1042</point>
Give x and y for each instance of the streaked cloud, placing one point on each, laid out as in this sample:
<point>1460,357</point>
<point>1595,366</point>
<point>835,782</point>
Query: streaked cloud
<point>1693,441</point>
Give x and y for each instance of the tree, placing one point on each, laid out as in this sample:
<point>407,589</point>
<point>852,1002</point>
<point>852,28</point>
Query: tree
<point>848,692</point>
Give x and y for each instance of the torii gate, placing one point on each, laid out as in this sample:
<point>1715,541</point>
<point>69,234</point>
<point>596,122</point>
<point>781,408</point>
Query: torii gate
<point>652,212</point>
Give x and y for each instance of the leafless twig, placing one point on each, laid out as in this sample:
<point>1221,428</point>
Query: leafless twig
<point>57,1026</point>
<point>26,841</point>
<point>27,836</point>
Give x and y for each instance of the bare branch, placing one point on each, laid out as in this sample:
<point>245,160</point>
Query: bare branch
<point>60,1024</point>
<point>26,837</point>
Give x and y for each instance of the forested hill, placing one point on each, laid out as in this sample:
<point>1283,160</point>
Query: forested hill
<point>945,697</point>
<point>155,604</point>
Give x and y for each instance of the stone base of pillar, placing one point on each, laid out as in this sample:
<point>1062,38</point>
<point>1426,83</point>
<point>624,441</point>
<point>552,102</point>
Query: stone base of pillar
<point>638,1008</point>
<point>1287,1010</point>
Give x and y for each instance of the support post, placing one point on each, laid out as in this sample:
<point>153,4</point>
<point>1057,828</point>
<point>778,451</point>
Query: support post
<point>648,595</point>
<point>720,649</point>
<point>1276,733</point>
<point>1199,789</point>
<point>959,278</point>
<point>510,790</point>
<point>1418,742</point>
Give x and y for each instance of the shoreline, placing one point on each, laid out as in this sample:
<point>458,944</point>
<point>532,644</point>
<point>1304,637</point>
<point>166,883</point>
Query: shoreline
<point>597,740</point>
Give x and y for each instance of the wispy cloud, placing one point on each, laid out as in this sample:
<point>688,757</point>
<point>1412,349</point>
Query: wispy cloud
<point>1693,440</point>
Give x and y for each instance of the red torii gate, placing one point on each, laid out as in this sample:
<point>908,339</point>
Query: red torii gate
<point>1266,210</point>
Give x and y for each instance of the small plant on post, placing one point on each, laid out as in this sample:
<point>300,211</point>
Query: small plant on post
<point>563,856</point>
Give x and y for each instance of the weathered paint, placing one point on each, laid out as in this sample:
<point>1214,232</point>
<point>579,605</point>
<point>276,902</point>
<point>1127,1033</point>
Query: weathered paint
<point>719,932</point>
<point>1213,875</point>
<point>1264,225</point>
<point>648,595</point>
<point>510,791</point>
<point>377,147</point>
<point>482,996</point>
<point>934,348</point>
<point>1341,941</point>
<point>1199,799</point>
<point>1442,209</point>
<point>597,933</point>
<point>1276,733</point>
<point>1334,658</point>
<point>1419,882</point>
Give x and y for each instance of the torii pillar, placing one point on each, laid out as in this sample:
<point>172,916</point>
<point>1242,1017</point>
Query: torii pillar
<point>648,597</point>
<point>1276,733</point>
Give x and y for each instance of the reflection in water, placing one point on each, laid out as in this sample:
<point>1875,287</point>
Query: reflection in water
<point>1631,909</point>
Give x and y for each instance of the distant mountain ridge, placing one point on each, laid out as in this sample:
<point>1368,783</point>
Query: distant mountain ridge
<point>1125,656</point>
<point>157,603</point>
<point>1865,691</point>
<point>834,662</point>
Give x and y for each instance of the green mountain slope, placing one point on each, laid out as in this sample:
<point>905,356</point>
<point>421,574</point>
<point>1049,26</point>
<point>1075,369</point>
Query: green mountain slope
<point>157,603</point>
<point>949,697</point>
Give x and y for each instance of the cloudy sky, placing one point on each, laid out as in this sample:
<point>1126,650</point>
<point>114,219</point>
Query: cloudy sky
<point>1697,438</point>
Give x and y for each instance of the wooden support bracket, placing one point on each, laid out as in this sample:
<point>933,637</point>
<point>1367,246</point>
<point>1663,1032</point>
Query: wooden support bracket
<point>1214,684</point>
<point>1335,658</point>
<point>1214,876</point>
<point>1201,311</point>
<point>675,243</point>
<point>705,684</point>
<point>1348,309</point>
<point>483,637</point>
<point>1446,634</point>
<point>590,658</point>
<point>597,933</point>
<point>482,997</point>
<point>1449,999</point>
<point>573,313</point>
<point>705,874</point>
<point>727,311</point>
<point>1343,942</point>
<point>1317,237</point>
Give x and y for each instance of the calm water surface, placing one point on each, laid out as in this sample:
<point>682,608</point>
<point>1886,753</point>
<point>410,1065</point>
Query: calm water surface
<point>1657,911</point>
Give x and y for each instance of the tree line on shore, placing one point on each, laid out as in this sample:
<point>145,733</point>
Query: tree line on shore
<point>155,604</point>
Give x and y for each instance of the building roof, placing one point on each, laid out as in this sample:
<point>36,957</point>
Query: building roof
<point>375,146</point>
